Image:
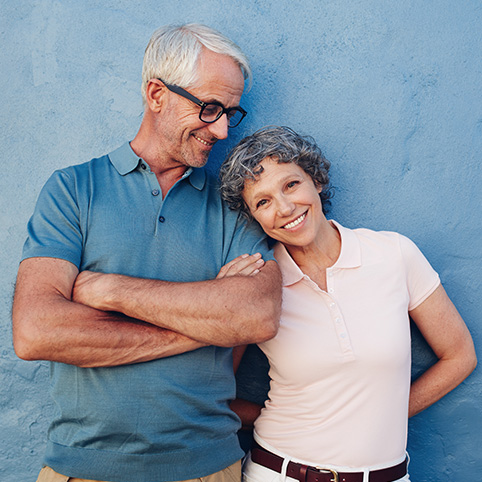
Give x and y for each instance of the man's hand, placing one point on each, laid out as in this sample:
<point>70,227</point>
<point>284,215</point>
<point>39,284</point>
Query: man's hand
<point>95,289</point>
<point>241,306</point>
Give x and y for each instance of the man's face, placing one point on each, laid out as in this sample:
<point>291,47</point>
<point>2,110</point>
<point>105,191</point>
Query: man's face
<point>185,139</point>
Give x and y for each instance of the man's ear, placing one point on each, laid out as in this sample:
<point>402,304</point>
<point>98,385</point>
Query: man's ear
<point>155,93</point>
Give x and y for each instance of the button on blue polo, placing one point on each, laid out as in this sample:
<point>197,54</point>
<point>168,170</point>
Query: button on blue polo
<point>155,192</point>
<point>162,219</point>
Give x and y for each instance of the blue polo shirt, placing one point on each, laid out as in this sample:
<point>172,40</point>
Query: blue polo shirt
<point>166,419</point>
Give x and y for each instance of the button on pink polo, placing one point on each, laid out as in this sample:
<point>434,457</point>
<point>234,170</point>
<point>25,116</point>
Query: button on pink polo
<point>340,364</point>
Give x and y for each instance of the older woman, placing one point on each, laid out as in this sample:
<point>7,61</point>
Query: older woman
<point>340,390</point>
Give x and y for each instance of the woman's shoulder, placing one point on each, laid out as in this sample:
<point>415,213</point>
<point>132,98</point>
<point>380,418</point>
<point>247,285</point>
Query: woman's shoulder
<point>380,236</point>
<point>381,241</point>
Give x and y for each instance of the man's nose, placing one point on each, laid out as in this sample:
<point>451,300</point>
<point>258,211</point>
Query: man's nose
<point>219,129</point>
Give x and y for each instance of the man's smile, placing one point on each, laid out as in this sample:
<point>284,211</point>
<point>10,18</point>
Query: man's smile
<point>203,141</point>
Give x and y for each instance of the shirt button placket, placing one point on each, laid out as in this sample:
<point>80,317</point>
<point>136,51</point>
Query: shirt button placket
<point>329,281</point>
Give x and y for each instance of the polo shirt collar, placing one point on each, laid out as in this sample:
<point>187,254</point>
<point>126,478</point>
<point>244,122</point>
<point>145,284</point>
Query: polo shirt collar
<point>125,160</point>
<point>289,269</point>
<point>197,177</point>
<point>350,256</point>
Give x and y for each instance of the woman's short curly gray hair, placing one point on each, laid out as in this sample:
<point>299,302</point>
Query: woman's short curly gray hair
<point>282,144</point>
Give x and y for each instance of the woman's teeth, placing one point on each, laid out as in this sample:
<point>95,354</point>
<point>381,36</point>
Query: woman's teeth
<point>295,222</point>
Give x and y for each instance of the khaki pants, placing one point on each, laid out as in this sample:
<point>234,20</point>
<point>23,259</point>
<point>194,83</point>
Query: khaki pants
<point>229,474</point>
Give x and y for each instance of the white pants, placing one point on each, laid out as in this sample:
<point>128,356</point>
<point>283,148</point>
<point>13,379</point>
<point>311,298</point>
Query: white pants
<point>253,472</point>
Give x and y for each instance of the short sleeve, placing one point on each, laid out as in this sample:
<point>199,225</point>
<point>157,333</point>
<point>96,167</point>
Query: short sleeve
<point>54,228</point>
<point>422,279</point>
<point>249,238</point>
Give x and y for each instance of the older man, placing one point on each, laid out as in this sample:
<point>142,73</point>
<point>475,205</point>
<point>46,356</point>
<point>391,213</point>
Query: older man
<point>147,401</point>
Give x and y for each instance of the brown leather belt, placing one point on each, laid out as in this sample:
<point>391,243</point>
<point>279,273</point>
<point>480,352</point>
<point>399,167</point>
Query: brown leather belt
<point>305,473</point>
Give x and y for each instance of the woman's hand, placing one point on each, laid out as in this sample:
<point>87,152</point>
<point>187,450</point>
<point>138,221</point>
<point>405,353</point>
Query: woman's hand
<point>244,265</point>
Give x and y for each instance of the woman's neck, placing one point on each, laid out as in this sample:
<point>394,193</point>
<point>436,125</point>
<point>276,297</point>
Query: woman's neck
<point>321,254</point>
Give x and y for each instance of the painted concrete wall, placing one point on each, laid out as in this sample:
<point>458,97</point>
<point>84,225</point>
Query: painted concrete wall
<point>391,90</point>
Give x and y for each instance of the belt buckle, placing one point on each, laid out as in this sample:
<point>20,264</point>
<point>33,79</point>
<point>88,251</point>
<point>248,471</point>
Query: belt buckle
<point>331,471</point>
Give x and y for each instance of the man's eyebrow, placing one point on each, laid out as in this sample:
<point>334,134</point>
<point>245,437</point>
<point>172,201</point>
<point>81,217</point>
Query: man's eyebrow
<point>213,100</point>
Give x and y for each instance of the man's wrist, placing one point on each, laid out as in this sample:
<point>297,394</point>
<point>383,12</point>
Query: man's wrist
<point>111,286</point>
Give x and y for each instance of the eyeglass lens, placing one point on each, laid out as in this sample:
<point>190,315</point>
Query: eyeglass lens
<point>212,112</point>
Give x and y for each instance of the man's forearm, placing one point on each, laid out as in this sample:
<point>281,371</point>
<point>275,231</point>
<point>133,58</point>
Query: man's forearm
<point>225,312</point>
<point>79,335</point>
<point>47,325</point>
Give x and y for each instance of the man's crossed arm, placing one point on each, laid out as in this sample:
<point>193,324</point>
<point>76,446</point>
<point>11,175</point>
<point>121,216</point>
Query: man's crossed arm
<point>109,320</point>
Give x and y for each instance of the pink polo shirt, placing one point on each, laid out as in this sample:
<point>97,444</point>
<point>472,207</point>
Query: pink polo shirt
<point>340,363</point>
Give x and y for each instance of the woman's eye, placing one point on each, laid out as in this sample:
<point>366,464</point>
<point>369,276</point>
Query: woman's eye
<point>292,184</point>
<point>261,203</point>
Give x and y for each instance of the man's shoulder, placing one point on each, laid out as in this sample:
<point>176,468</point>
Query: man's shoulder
<point>81,165</point>
<point>122,154</point>
<point>206,181</point>
<point>211,178</point>
<point>77,177</point>
<point>84,168</point>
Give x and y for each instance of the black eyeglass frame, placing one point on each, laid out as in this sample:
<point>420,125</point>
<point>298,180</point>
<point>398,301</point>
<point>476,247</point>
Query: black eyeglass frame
<point>184,93</point>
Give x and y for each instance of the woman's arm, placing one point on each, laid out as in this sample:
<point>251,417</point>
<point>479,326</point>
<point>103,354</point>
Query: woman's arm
<point>445,331</point>
<point>247,411</point>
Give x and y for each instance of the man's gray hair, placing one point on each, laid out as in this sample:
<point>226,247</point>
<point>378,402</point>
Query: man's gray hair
<point>279,143</point>
<point>173,54</point>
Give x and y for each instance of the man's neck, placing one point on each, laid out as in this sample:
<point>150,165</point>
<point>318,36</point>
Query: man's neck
<point>167,173</point>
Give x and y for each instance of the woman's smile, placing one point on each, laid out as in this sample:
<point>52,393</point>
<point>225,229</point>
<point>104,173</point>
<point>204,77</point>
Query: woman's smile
<point>296,222</point>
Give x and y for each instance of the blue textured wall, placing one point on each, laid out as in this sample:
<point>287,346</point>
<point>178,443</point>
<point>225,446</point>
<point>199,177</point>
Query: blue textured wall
<point>391,90</point>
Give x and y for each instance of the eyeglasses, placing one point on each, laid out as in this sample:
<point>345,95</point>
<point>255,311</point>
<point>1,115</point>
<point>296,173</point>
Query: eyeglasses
<point>210,111</point>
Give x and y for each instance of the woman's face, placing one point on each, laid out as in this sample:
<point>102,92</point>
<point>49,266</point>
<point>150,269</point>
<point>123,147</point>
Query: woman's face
<point>285,202</point>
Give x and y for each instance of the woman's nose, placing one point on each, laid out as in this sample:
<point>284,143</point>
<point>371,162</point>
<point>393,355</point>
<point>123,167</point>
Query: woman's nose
<point>285,206</point>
